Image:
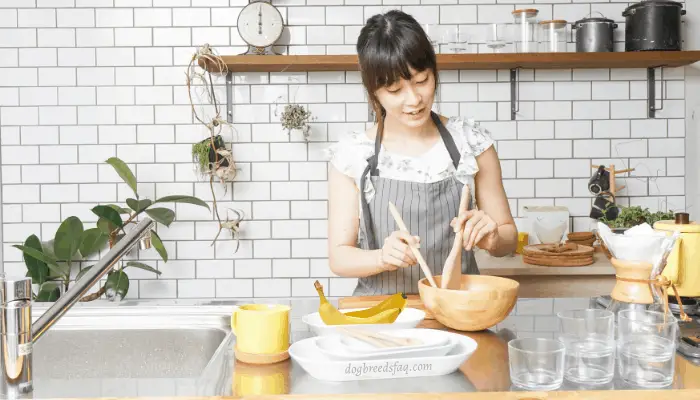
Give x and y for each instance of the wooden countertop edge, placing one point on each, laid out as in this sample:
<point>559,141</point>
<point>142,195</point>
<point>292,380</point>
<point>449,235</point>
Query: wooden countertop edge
<point>678,394</point>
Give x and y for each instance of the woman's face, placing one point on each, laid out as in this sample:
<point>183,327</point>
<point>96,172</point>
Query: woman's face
<point>409,102</point>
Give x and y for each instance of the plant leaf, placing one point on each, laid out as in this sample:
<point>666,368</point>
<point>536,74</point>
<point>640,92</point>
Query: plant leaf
<point>93,239</point>
<point>117,285</point>
<point>82,273</point>
<point>124,172</point>
<point>158,244</point>
<point>109,214</point>
<point>105,226</point>
<point>50,260</point>
<point>183,199</point>
<point>120,210</point>
<point>138,205</point>
<point>67,239</point>
<point>48,291</point>
<point>163,215</point>
<point>36,269</point>
<point>39,255</point>
<point>137,264</point>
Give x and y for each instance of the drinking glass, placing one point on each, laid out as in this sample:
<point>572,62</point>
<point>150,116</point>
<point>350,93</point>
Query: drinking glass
<point>589,338</point>
<point>646,347</point>
<point>536,364</point>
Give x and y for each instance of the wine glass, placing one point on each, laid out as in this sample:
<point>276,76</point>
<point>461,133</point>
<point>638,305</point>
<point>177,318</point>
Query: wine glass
<point>457,39</point>
<point>496,37</point>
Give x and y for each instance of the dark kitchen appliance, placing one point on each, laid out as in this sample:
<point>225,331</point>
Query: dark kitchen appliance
<point>594,35</point>
<point>653,25</point>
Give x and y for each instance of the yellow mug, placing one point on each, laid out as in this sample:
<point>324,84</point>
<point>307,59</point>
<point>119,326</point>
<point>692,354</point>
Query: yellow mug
<point>261,328</point>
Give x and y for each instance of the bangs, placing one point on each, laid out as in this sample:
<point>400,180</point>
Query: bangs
<point>387,61</point>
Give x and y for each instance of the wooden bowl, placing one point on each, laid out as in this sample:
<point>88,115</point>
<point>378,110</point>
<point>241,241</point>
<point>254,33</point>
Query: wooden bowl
<point>481,302</point>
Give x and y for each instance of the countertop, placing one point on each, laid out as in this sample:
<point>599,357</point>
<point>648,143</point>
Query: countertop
<point>514,266</point>
<point>483,376</point>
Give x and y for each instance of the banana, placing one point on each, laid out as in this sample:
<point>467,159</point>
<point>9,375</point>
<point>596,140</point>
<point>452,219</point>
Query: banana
<point>332,316</point>
<point>397,300</point>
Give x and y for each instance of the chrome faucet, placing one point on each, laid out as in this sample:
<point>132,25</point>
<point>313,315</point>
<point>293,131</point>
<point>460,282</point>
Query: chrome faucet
<point>18,334</point>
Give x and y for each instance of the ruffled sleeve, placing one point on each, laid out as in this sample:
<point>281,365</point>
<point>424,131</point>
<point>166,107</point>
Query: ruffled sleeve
<point>349,155</point>
<point>471,139</point>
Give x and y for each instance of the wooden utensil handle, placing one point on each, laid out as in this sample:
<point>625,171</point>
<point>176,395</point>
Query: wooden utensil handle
<point>419,256</point>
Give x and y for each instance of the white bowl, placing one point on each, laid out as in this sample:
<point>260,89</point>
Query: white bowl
<point>409,318</point>
<point>436,343</point>
<point>321,367</point>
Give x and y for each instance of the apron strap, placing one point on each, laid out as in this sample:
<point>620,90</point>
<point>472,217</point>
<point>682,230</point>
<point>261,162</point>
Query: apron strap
<point>371,169</point>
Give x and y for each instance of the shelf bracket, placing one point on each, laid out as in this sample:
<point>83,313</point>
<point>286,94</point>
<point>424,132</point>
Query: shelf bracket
<point>651,91</point>
<point>514,92</point>
<point>229,97</point>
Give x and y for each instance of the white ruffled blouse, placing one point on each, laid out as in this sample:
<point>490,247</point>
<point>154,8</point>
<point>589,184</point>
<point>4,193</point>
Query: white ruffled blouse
<point>349,155</point>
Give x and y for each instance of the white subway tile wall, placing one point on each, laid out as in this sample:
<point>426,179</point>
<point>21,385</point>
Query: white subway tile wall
<point>85,80</point>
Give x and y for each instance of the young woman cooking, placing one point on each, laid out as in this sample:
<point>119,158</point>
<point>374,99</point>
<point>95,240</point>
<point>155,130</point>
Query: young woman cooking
<point>415,159</point>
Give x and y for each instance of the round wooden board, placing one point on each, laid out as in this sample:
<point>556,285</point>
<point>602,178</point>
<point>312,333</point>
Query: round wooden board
<point>537,250</point>
<point>548,262</point>
<point>250,358</point>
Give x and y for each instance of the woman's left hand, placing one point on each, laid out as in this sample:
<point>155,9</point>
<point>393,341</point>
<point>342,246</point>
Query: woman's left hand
<point>479,229</point>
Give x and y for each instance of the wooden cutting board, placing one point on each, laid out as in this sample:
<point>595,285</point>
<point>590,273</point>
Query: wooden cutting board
<point>413,301</point>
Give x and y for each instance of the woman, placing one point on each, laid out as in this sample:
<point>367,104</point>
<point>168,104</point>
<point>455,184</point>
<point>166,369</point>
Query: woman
<point>422,164</point>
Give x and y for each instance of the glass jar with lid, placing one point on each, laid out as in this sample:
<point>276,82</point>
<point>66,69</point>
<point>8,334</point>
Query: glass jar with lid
<point>553,36</point>
<point>525,30</point>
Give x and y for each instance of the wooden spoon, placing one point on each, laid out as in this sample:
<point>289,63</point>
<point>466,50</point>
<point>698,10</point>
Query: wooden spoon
<point>452,270</point>
<point>416,252</point>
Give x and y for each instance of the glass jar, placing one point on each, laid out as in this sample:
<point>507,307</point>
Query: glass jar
<point>553,36</point>
<point>525,30</point>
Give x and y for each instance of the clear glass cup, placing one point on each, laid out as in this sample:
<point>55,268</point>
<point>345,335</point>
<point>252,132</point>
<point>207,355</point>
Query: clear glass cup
<point>646,347</point>
<point>536,364</point>
<point>589,338</point>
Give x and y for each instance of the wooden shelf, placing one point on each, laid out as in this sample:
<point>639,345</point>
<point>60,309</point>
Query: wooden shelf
<point>648,59</point>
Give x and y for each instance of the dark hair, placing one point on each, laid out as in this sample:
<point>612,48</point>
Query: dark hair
<point>388,45</point>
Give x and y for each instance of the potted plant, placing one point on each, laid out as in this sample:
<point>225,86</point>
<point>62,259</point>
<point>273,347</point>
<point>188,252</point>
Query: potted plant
<point>635,215</point>
<point>50,263</point>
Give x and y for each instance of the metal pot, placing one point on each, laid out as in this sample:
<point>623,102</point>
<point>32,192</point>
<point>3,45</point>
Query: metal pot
<point>594,35</point>
<point>653,25</point>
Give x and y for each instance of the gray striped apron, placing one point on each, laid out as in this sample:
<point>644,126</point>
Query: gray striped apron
<point>426,208</point>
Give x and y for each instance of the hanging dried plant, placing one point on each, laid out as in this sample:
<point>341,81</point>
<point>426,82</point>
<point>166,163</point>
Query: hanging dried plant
<point>296,117</point>
<point>214,159</point>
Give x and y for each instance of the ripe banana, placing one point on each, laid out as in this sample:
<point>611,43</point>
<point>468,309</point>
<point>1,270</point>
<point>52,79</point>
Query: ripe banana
<point>331,316</point>
<point>397,300</point>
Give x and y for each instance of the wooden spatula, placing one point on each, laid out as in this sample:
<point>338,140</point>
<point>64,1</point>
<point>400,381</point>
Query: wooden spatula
<point>452,270</point>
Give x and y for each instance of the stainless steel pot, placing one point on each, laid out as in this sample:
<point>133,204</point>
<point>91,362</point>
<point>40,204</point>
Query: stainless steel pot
<point>594,35</point>
<point>653,25</point>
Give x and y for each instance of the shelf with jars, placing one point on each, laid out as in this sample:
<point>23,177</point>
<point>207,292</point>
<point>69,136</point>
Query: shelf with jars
<point>525,43</point>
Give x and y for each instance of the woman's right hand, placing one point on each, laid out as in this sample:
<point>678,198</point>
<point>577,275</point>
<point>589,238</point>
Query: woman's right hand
<point>396,253</point>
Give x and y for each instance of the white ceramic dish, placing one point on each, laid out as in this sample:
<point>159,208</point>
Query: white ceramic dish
<point>334,348</point>
<point>321,367</point>
<point>428,338</point>
<point>409,318</point>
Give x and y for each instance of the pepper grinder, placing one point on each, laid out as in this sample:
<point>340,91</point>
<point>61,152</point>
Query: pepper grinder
<point>16,336</point>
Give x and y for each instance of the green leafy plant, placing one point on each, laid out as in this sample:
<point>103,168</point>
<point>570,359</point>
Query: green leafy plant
<point>50,263</point>
<point>636,215</point>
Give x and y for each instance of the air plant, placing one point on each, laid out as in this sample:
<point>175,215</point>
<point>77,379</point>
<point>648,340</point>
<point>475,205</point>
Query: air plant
<point>214,159</point>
